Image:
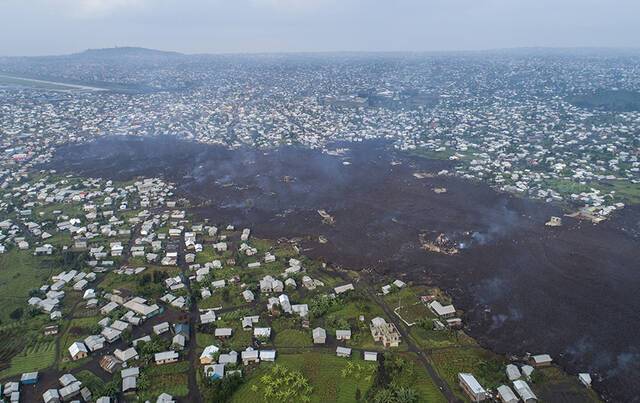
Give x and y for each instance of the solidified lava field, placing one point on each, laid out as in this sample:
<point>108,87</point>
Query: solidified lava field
<point>570,291</point>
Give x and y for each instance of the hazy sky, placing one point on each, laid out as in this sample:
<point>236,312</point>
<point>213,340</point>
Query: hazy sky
<point>37,27</point>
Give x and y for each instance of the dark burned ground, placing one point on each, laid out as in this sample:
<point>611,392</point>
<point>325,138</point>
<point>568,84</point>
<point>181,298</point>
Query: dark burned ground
<point>569,291</point>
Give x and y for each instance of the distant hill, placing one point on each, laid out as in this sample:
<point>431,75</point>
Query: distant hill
<point>127,52</point>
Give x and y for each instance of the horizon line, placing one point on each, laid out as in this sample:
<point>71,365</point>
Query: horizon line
<point>320,52</point>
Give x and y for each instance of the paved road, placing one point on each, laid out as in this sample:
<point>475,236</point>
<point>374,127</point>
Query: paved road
<point>444,387</point>
<point>194,392</point>
<point>364,284</point>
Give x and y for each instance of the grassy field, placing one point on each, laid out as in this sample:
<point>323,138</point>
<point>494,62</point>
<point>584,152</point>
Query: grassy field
<point>233,296</point>
<point>168,378</point>
<point>625,191</point>
<point>35,358</point>
<point>17,337</point>
<point>205,339</point>
<point>91,381</point>
<point>427,338</point>
<point>485,365</point>
<point>293,338</point>
<point>415,312</point>
<point>552,384</point>
<point>20,272</point>
<point>207,255</point>
<point>45,213</point>
<point>417,378</point>
<point>75,330</point>
<point>324,372</point>
<point>352,310</point>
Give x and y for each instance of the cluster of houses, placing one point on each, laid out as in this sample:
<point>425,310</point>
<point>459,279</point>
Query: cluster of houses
<point>101,228</point>
<point>69,389</point>
<point>518,376</point>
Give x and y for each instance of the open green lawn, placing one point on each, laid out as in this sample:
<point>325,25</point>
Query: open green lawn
<point>20,272</point>
<point>208,254</point>
<point>114,281</point>
<point>414,312</point>
<point>69,209</point>
<point>205,339</point>
<point>228,297</point>
<point>324,372</point>
<point>428,338</point>
<point>285,251</point>
<point>59,240</point>
<point>40,356</point>
<point>293,338</point>
<point>407,295</point>
<point>262,245</point>
<point>352,310</point>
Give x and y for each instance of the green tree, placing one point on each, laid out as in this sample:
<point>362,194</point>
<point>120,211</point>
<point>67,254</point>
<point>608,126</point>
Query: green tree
<point>16,314</point>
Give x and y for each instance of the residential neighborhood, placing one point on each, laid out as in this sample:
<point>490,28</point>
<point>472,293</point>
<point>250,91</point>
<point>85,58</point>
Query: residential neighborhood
<point>146,302</point>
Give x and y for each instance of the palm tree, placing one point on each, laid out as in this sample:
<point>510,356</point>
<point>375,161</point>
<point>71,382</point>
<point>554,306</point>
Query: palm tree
<point>384,396</point>
<point>406,395</point>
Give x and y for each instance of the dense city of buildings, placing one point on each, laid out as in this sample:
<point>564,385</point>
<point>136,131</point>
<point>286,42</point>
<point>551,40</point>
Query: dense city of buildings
<point>554,127</point>
<point>114,290</point>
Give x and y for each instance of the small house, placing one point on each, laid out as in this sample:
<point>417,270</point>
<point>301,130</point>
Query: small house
<point>214,371</point>
<point>208,317</point>
<point>29,378</point>
<point>443,311</point>
<point>248,295</point>
<point>110,364</point>
<point>585,379</point>
<point>126,355</point>
<point>524,391</point>
<point>129,384</point>
<point>506,395</point>
<point>208,354</point>
<point>343,352</point>
<point>166,357</point>
<point>344,288</point>
<point>161,328</point>
<point>70,391</point>
<point>472,387</point>
<point>78,351</point>
<point>229,358</point>
<point>223,332</point>
<point>51,396</point>
<point>319,335</point>
<point>541,360</point>
<point>249,356</point>
<point>267,355</point>
<point>262,332</point>
<point>513,372</point>
<point>343,335</point>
